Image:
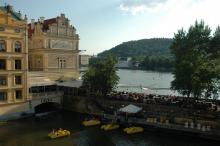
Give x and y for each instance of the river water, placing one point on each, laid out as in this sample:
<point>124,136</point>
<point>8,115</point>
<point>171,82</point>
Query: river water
<point>33,132</point>
<point>145,82</point>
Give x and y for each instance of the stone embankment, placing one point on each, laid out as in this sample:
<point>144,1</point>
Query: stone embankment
<point>168,114</point>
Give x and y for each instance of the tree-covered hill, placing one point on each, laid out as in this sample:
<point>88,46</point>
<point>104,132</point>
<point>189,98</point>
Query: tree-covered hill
<point>145,47</point>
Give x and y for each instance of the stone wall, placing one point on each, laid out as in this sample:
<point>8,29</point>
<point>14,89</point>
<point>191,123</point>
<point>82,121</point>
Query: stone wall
<point>80,104</point>
<point>173,114</point>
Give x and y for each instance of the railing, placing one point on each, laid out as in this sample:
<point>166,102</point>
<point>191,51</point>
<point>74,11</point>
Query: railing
<point>143,87</point>
<point>171,126</point>
<point>55,94</point>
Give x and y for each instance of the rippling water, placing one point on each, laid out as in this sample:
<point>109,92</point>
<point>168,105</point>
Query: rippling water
<point>33,132</point>
<point>148,80</point>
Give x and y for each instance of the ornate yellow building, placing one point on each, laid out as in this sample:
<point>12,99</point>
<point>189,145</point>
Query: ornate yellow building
<point>53,47</point>
<point>13,61</point>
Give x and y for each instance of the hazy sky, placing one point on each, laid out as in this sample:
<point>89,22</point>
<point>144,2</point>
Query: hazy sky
<point>103,24</point>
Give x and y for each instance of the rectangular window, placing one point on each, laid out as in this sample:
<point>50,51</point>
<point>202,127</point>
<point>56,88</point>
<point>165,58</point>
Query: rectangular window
<point>18,80</point>
<point>18,47</point>
<point>17,30</point>
<point>2,46</point>
<point>2,64</point>
<point>61,63</point>
<point>64,63</point>
<point>17,64</point>
<point>2,29</point>
<point>3,96</point>
<point>3,81</point>
<point>18,94</point>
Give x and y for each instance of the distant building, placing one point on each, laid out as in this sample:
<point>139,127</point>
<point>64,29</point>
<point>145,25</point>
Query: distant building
<point>124,62</point>
<point>13,61</point>
<point>84,60</point>
<point>53,46</point>
<point>136,64</point>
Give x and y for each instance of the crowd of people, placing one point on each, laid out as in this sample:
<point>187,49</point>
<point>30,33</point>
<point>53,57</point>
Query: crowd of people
<point>170,100</point>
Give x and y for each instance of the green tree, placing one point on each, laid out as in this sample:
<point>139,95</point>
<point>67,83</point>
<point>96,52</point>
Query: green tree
<point>195,72</point>
<point>101,78</point>
<point>214,50</point>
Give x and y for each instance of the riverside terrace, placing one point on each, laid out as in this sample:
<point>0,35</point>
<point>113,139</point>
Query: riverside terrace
<point>166,112</point>
<point>172,114</point>
<point>183,102</point>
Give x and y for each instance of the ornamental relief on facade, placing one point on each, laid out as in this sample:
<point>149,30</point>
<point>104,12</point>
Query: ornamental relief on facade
<point>61,44</point>
<point>38,43</point>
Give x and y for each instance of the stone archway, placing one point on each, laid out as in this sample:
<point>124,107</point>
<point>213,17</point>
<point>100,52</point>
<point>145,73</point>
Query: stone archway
<point>47,107</point>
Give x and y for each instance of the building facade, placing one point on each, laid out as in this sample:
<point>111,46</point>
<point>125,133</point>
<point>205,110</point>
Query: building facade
<point>84,60</point>
<point>53,46</point>
<point>124,62</point>
<point>13,61</point>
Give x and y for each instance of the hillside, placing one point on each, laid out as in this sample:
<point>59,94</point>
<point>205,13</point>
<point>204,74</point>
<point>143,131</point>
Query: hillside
<point>145,47</point>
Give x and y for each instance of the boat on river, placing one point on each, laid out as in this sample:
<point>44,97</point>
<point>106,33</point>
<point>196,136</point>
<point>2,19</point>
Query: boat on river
<point>133,130</point>
<point>110,126</point>
<point>59,133</point>
<point>91,122</point>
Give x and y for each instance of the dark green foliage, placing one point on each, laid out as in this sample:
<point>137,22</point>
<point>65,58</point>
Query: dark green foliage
<point>145,47</point>
<point>152,54</point>
<point>157,63</point>
<point>195,69</point>
<point>101,78</point>
<point>215,45</point>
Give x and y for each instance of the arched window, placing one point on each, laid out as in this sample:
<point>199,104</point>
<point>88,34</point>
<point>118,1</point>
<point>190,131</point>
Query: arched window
<point>17,46</point>
<point>2,46</point>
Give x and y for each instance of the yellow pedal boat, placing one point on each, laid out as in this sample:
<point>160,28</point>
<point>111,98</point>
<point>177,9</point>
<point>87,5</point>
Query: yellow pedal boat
<point>133,130</point>
<point>110,126</point>
<point>58,133</point>
<point>92,122</point>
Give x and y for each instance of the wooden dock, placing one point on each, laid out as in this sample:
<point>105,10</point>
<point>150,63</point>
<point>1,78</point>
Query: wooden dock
<point>211,134</point>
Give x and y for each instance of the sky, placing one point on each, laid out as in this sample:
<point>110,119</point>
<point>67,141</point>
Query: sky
<point>103,24</point>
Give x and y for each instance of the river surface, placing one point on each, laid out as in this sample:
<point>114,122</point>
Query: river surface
<point>33,132</point>
<point>145,81</point>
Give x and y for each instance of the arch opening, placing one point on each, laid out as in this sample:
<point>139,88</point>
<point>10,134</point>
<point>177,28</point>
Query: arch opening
<point>47,107</point>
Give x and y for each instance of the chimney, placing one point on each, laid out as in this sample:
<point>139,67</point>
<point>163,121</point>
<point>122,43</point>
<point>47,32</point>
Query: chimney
<point>62,15</point>
<point>32,23</point>
<point>25,18</point>
<point>9,8</point>
<point>42,19</point>
<point>19,14</point>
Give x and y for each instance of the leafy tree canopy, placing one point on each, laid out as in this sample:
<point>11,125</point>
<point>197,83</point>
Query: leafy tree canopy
<point>196,71</point>
<point>101,78</point>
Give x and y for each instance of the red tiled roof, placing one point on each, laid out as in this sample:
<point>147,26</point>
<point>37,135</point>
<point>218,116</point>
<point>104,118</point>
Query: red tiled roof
<point>30,31</point>
<point>48,22</point>
<point>45,26</point>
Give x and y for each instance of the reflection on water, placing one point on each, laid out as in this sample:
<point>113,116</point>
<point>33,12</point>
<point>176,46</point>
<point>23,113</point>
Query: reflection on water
<point>145,81</point>
<point>33,132</point>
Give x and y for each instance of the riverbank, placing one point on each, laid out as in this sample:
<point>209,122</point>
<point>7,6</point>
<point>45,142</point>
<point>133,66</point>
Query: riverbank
<point>167,117</point>
<point>162,70</point>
